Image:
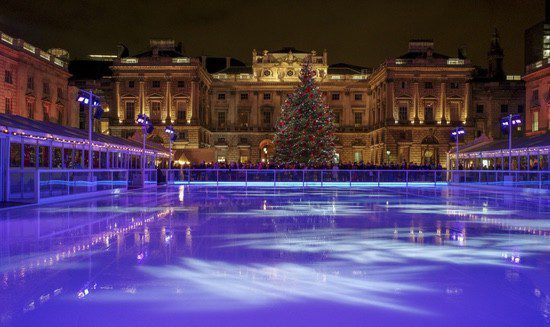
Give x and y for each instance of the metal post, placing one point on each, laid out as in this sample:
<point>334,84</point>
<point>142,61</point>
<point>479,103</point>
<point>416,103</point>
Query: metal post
<point>510,142</point>
<point>170,160</point>
<point>456,130</point>
<point>144,129</point>
<point>90,111</point>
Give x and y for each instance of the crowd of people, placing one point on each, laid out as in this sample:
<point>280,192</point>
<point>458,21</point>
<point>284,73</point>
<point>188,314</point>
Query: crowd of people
<point>344,166</point>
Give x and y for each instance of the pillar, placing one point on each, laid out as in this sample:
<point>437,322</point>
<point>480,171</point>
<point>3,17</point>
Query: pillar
<point>443,103</point>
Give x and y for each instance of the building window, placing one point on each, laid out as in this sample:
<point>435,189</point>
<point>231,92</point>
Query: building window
<point>403,113</point>
<point>335,96</point>
<point>221,96</point>
<point>8,78</point>
<point>46,88</point>
<point>221,119</point>
<point>358,96</point>
<point>181,114</point>
<point>454,85</point>
<point>182,135</point>
<point>535,98</point>
<point>267,96</point>
<point>181,84</point>
<point>30,83</point>
<point>243,118</point>
<point>131,84</point>
<point>156,84</point>
<point>358,156</point>
<point>520,109</point>
<point>7,108</point>
<point>429,113</point>
<point>403,85</point>
<point>479,108</point>
<point>358,118</point>
<point>130,110</point>
<point>244,96</point>
<point>428,85</point>
<point>337,117</point>
<point>503,108</point>
<point>155,110</point>
<point>266,118</point>
<point>59,93</point>
<point>535,125</point>
<point>30,110</point>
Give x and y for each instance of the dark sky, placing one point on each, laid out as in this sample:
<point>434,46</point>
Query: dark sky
<point>358,32</point>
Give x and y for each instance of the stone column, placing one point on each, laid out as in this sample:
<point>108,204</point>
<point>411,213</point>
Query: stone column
<point>392,108</point>
<point>141,99</point>
<point>466,106</point>
<point>168,105</point>
<point>118,109</point>
<point>443,103</point>
<point>255,112</point>
<point>416,102</point>
<point>194,101</point>
<point>232,109</point>
<point>277,109</point>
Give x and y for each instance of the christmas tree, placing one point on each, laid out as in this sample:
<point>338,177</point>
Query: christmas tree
<point>304,132</point>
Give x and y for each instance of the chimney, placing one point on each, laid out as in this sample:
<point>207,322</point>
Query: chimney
<point>227,62</point>
<point>203,60</point>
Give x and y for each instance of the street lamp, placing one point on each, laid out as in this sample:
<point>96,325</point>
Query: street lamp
<point>388,152</point>
<point>147,128</point>
<point>172,135</point>
<point>88,98</point>
<point>455,133</point>
<point>507,123</point>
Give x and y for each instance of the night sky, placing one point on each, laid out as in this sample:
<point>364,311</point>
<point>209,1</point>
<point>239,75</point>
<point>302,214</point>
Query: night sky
<point>357,32</point>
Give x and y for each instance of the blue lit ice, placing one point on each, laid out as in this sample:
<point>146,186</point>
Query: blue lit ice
<point>248,257</point>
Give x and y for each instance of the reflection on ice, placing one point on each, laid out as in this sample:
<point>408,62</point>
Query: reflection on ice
<point>238,285</point>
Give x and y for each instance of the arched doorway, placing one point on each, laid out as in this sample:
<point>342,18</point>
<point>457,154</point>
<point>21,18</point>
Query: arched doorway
<point>430,153</point>
<point>266,151</point>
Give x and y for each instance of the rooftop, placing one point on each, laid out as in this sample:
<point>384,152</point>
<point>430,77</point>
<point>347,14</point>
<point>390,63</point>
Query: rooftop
<point>13,123</point>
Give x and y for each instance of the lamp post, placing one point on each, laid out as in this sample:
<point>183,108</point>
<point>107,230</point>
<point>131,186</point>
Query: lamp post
<point>147,128</point>
<point>388,152</point>
<point>507,123</point>
<point>172,136</point>
<point>88,98</point>
<point>455,133</point>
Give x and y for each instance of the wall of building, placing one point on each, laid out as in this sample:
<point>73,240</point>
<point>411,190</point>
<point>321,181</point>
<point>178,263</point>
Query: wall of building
<point>35,83</point>
<point>537,85</point>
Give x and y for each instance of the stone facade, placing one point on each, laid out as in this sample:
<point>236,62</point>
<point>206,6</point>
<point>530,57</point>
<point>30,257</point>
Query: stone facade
<point>34,83</point>
<point>403,111</point>
<point>166,86</point>
<point>537,98</point>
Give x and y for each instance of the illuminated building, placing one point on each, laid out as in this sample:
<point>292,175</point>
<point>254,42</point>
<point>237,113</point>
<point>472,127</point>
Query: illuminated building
<point>34,82</point>
<point>495,94</point>
<point>415,101</point>
<point>225,110</point>
<point>245,103</point>
<point>537,77</point>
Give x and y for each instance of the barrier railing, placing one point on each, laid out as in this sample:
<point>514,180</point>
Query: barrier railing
<point>305,178</point>
<point>511,178</point>
<point>41,184</point>
<point>135,177</point>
